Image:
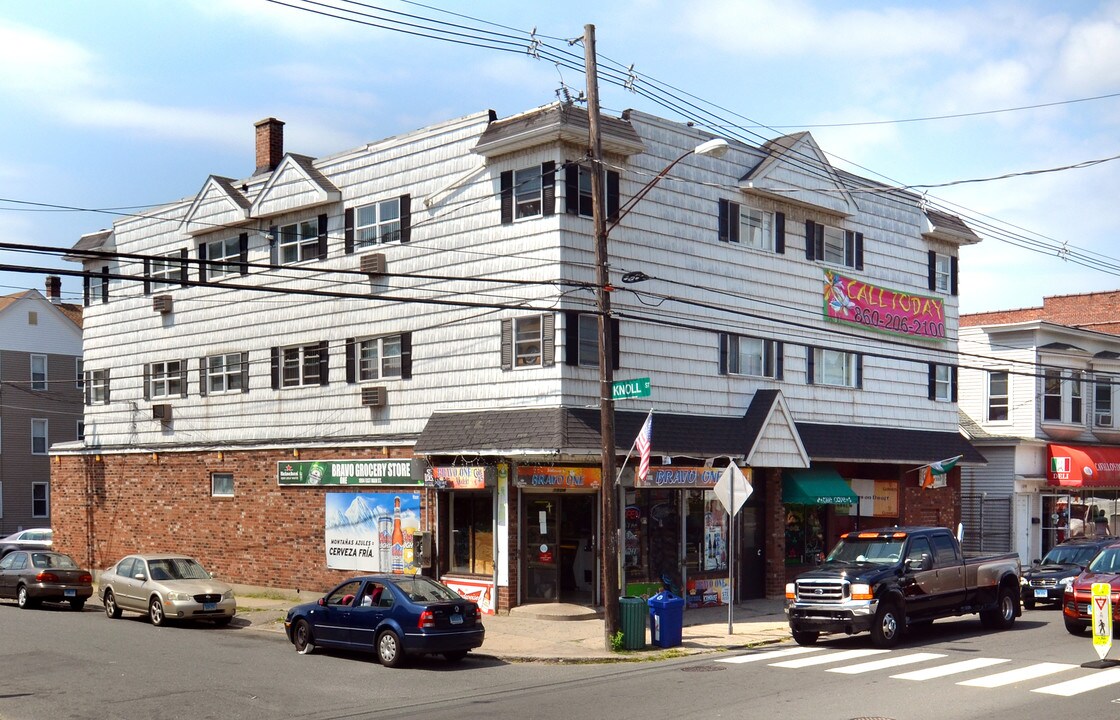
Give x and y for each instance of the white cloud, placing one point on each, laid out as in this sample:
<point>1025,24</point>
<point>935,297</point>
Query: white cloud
<point>41,65</point>
<point>1089,61</point>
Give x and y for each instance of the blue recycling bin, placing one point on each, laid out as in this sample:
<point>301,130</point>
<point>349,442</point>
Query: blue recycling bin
<point>666,619</point>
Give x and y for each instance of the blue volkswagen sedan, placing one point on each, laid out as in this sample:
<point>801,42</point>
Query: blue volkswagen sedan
<point>393,616</point>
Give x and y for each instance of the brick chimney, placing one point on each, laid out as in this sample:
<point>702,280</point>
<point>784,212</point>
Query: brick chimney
<point>270,144</point>
<point>54,289</point>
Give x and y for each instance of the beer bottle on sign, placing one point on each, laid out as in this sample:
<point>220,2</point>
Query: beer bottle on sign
<point>398,538</point>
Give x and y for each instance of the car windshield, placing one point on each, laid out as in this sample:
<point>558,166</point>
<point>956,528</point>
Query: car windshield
<point>177,569</point>
<point>1075,555</point>
<point>877,550</point>
<point>52,560</point>
<point>1107,562</point>
<point>423,590</point>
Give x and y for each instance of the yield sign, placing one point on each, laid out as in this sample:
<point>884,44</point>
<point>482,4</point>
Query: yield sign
<point>732,489</point>
<point>1102,618</point>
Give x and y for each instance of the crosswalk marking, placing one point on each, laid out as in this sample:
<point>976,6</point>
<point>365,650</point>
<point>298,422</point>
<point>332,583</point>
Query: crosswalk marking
<point>769,655</point>
<point>831,657</point>
<point>1013,676</point>
<point>885,663</point>
<point>950,669</point>
<point>1089,682</point>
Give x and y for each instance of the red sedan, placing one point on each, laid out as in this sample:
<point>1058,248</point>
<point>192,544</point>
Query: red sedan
<point>1077,600</point>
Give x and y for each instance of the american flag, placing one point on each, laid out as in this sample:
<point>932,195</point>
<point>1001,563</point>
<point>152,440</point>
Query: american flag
<point>644,441</point>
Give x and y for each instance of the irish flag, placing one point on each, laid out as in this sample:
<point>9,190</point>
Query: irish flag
<point>941,467</point>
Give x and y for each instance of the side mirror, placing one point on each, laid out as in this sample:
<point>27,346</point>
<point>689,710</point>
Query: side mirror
<point>925,562</point>
<point>322,602</point>
<point>1036,561</point>
<point>140,576</point>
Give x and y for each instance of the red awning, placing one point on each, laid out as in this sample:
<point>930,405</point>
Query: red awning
<point>1083,466</point>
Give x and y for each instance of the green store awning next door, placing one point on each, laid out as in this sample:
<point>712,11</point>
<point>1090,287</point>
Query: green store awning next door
<point>816,486</point>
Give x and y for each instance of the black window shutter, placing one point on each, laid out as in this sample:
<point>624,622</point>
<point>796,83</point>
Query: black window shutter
<point>324,362</point>
<point>147,276</point>
<point>723,346</point>
<point>780,233</point>
<point>506,188</point>
<point>406,356</point>
<point>274,245</point>
<point>323,237</point>
<point>849,248</point>
<point>548,340</point>
<point>243,252</point>
<point>571,337</point>
<point>810,375</point>
<point>351,361</point>
<point>932,271</point>
<point>85,291</point>
<point>571,191</point>
<point>612,179</point>
<point>859,371</point>
<point>202,384</point>
<point>779,360</point>
<point>202,262</point>
<point>183,379</point>
<point>768,359</point>
<point>810,240</point>
<point>507,344</point>
<point>244,372</point>
<point>733,222</point>
<point>275,368</point>
<point>859,251</point>
<point>616,352</point>
<point>953,382</point>
<point>548,188</point>
<point>86,389</point>
<point>348,231</point>
<point>105,284</point>
<point>183,255</point>
<point>953,275</point>
<point>724,222</point>
<point>406,218</point>
<point>147,382</point>
<point>106,387</point>
<point>933,381</point>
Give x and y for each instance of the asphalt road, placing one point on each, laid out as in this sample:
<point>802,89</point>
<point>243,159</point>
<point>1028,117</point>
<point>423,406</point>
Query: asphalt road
<point>55,663</point>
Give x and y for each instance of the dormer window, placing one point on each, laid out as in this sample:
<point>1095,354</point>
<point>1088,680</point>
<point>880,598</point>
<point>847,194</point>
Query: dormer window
<point>528,192</point>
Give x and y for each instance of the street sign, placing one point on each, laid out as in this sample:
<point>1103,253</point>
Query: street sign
<point>636,388</point>
<point>732,489</point>
<point>1102,618</point>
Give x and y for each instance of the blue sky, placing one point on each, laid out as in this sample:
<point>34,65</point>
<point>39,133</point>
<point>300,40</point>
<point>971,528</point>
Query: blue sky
<point>129,103</point>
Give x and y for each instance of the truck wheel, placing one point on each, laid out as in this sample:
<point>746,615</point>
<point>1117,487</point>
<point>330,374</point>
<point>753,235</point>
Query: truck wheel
<point>1076,627</point>
<point>887,628</point>
<point>805,637</point>
<point>1002,617</point>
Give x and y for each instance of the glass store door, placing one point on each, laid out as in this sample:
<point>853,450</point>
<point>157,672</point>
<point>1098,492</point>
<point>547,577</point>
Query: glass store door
<point>542,548</point>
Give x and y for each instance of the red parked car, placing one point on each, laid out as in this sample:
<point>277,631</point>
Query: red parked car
<point>1077,600</point>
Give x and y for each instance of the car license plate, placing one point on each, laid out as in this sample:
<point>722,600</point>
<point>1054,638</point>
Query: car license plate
<point>209,606</point>
<point>69,593</point>
<point>1041,592</point>
<point>456,619</point>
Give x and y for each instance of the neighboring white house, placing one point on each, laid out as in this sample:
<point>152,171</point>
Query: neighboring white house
<point>1038,397</point>
<point>431,297</point>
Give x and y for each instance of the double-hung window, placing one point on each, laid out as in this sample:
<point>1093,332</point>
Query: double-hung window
<point>38,372</point>
<point>222,258</point>
<point>1102,401</point>
<point>835,367</point>
<point>527,200</point>
<point>756,228</point>
<point>999,398</point>
<point>529,341</point>
<point>744,355</point>
<point>40,499</point>
<point>39,437</point>
<point>1062,396</point>
<point>378,222</point>
<point>379,358</point>
<point>528,192</point>
<point>299,365</point>
<point>166,271</point>
<point>942,273</point>
<point>225,372</point>
<point>577,191</point>
<point>97,387</point>
<point>751,227</point>
<point>298,242</point>
<point>838,247</point>
<point>166,379</point>
<point>942,383</point>
<point>96,285</point>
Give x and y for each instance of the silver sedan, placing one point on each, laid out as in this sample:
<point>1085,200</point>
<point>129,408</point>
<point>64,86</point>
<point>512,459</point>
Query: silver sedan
<point>166,587</point>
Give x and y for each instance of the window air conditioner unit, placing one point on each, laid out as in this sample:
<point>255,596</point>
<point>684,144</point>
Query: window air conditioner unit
<point>374,397</point>
<point>373,263</point>
<point>161,413</point>
<point>161,304</point>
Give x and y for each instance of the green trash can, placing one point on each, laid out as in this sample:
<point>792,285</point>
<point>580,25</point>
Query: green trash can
<point>632,618</point>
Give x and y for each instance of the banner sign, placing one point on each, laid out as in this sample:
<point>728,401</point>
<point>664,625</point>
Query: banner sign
<point>346,472</point>
<point>1083,466</point>
<point>877,498</point>
<point>371,531</point>
<point>547,477</point>
<point>480,591</point>
<point>681,477</point>
<point>852,301</point>
<point>473,477</point>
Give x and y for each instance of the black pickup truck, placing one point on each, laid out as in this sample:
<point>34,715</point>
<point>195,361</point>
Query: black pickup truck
<point>886,579</point>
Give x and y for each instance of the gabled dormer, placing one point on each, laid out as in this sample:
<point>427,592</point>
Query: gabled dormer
<point>218,204</point>
<point>795,170</point>
<point>294,185</point>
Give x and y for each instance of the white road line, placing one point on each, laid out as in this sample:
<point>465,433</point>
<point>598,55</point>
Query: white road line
<point>950,669</point>
<point>885,663</point>
<point>1013,676</point>
<point>1089,682</point>
<point>768,655</point>
<point>831,657</point>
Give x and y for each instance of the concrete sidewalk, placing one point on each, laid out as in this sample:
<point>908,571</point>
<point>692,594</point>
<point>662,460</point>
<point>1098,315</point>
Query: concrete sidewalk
<point>571,633</point>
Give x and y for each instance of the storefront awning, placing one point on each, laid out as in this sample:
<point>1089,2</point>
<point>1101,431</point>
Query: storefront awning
<point>822,486</point>
<point>1078,466</point>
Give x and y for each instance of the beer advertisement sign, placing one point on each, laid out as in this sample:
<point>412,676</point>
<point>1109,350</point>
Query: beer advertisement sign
<point>372,531</point>
<point>346,472</point>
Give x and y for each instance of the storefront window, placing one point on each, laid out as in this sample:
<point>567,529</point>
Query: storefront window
<point>472,533</point>
<point>652,534</point>
<point>804,534</point>
<point>705,533</point>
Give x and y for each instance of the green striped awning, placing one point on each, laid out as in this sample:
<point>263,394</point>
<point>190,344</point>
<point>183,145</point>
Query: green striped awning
<point>816,486</point>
